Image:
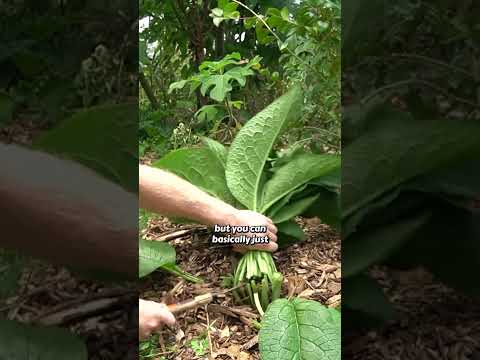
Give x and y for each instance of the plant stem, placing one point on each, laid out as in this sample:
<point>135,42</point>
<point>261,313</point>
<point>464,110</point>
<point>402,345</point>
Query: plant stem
<point>265,292</point>
<point>433,61</point>
<point>257,304</point>
<point>237,297</point>
<point>230,111</point>
<point>274,34</point>
<point>250,293</point>
<point>176,270</point>
<point>277,281</point>
<point>397,84</point>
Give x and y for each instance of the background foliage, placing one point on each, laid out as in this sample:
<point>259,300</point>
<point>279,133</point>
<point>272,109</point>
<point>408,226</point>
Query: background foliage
<point>275,42</point>
<point>68,66</point>
<point>410,135</point>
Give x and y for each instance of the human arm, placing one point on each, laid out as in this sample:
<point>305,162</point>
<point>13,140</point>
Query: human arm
<point>167,194</point>
<point>65,213</point>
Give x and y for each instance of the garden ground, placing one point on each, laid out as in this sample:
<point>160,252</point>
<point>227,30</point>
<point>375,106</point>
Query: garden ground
<point>434,322</point>
<point>224,330</point>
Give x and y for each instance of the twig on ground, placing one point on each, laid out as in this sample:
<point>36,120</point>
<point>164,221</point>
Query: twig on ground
<point>210,346</point>
<point>249,344</point>
<point>85,307</point>
<point>232,311</point>
<point>174,235</point>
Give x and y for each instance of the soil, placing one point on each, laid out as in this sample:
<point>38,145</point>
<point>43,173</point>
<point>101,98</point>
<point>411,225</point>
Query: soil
<point>312,270</point>
<point>434,322</point>
<point>23,130</point>
<point>45,290</point>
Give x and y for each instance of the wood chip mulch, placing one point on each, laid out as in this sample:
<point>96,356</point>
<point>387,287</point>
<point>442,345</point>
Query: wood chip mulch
<point>434,322</point>
<point>312,270</point>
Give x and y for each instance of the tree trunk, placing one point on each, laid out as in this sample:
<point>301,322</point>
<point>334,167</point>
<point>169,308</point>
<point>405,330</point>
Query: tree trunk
<point>220,42</point>
<point>148,90</point>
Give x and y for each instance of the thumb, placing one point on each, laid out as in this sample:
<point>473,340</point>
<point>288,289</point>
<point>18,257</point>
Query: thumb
<point>165,315</point>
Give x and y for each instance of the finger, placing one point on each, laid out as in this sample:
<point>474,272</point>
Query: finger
<point>272,228</point>
<point>242,249</point>
<point>268,220</point>
<point>144,334</point>
<point>270,247</point>
<point>166,316</point>
<point>153,325</point>
<point>272,237</point>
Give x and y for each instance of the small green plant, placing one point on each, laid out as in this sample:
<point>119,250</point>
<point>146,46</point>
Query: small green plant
<point>149,349</point>
<point>154,255</point>
<point>251,175</point>
<point>217,79</point>
<point>199,346</point>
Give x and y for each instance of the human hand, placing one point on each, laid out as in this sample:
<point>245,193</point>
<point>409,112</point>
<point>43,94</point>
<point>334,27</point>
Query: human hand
<point>252,218</point>
<point>152,316</point>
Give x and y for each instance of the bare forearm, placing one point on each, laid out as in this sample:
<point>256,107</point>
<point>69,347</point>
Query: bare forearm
<point>63,212</point>
<point>169,195</point>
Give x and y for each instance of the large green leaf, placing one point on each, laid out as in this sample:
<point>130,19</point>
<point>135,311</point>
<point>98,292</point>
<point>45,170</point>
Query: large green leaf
<point>153,255</point>
<point>217,149</point>
<point>221,87</point>
<point>459,271</point>
<point>251,147</point>
<point>331,180</point>
<point>295,173</point>
<point>6,108</point>
<point>239,74</point>
<point>381,160</point>
<point>386,210</point>
<point>358,119</point>
<point>219,66</point>
<point>101,138</point>
<point>350,223</point>
<point>199,166</point>
<point>300,329</point>
<point>326,207</point>
<point>363,294</point>
<point>285,200</point>
<point>178,85</point>
<point>448,246</point>
<point>289,232</point>
<point>458,184</point>
<point>210,116</point>
<point>11,269</point>
<point>294,209</point>
<point>461,179</point>
<point>23,342</point>
<point>370,247</point>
